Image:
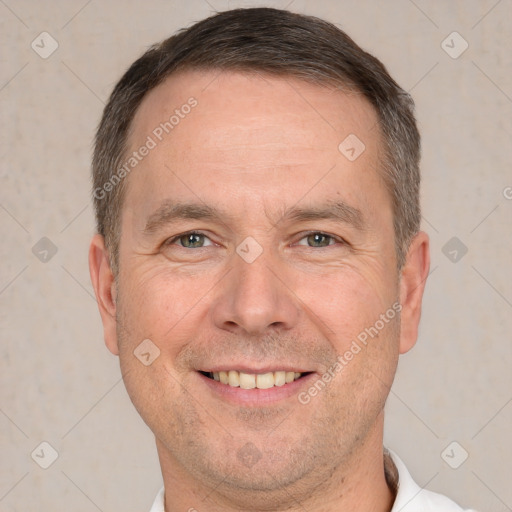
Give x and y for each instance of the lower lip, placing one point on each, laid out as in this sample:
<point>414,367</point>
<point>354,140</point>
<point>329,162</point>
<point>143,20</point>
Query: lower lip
<point>256,397</point>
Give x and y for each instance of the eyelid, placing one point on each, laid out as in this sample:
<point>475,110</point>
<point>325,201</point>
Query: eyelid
<point>302,236</point>
<point>333,237</point>
<point>175,238</point>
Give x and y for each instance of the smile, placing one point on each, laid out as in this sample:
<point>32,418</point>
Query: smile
<point>244,380</point>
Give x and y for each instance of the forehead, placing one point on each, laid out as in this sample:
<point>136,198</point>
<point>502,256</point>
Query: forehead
<point>251,134</point>
<point>258,101</point>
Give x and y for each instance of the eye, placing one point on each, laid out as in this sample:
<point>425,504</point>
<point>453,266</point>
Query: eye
<point>318,239</point>
<point>191,240</point>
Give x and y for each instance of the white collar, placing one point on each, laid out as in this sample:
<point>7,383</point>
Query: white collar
<point>158,504</point>
<point>411,497</point>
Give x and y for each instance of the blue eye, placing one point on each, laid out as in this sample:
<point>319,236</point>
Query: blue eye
<point>318,240</point>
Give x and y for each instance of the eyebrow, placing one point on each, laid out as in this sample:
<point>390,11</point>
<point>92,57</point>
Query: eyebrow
<point>338,211</point>
<point>171,211</point>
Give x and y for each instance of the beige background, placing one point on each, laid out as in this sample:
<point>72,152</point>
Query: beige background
<point>58,382</point>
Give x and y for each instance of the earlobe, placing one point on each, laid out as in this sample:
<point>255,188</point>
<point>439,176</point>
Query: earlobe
<point>412,284</point>
<point>104,288</point>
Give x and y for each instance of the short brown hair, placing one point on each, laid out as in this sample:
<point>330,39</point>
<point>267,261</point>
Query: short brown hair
<point>275,42</point>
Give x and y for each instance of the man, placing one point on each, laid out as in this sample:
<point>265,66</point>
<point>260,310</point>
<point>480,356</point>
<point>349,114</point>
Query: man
<point>259,265</point>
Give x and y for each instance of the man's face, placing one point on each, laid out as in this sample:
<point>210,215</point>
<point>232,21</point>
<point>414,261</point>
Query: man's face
<point>294,260</point>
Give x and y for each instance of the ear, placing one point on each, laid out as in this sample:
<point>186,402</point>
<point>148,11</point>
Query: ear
<point>412,284</point>
<point>104,287</point>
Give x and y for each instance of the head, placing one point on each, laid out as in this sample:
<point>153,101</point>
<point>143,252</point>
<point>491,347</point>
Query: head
<point>270,224</point>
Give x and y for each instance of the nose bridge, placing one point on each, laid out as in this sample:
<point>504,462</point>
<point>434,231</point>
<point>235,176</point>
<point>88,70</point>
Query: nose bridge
<point>252,298</point>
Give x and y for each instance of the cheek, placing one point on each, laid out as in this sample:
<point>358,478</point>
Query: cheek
<point>349,302</point>
<point>163,306</point>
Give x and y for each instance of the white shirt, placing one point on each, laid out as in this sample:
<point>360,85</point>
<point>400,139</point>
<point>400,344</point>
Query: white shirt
<point>410,496</point>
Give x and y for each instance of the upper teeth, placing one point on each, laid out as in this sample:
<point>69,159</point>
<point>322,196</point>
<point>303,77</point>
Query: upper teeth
<point>251,380</point>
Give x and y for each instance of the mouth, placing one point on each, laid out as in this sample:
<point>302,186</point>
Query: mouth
<point>243,380</point>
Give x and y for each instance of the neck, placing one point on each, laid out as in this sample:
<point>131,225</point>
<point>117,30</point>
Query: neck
<point>358,484</point>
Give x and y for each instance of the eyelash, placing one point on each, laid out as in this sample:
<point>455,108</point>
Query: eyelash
<point>339,240</point>
<point>171,241</point>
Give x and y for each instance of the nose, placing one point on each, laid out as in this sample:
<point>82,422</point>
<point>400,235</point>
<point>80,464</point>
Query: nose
<point>252,299</point>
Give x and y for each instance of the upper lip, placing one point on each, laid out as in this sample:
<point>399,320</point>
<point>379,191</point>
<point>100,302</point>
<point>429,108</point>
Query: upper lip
<point>256,370</point>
